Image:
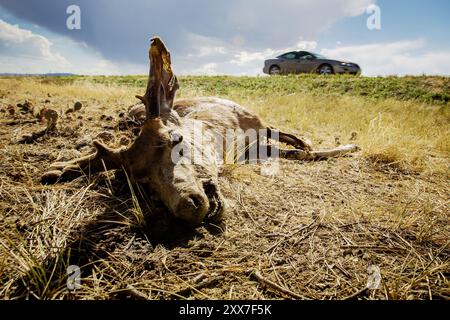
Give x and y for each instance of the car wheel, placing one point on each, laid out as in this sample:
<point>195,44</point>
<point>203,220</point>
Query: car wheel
<point>274,70</point>
<point>325,69</point>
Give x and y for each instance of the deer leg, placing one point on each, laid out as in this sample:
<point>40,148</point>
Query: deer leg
<point>66,171</point>
<point>297,154</point>
<point>294,154</point>
<point>291,140</point>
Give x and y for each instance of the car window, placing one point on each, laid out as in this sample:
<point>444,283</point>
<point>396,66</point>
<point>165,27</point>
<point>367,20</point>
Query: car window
<point>290,55</point>
<point>301,54</point>
<point>307,57</point>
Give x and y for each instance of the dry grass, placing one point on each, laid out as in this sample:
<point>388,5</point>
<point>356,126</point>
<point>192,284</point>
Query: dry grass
<point>406,135</point>
<point>312,231</point>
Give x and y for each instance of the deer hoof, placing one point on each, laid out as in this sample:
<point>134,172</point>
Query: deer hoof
<point>51,177</point>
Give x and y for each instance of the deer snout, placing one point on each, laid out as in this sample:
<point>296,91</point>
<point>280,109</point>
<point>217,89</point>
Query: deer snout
<point>193,208</point>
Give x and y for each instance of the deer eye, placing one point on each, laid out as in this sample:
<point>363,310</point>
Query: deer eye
<point>175,138</point>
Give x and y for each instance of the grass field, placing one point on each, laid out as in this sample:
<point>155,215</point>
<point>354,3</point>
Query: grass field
<point>313,230</point>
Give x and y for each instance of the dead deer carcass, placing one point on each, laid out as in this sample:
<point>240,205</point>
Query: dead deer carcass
<point>188,189</point>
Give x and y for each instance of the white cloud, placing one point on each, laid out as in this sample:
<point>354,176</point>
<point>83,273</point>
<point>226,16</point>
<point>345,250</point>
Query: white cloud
<point>207,51</point>
<point>18,42</point>
<point>394,58</point>
<point>201,46</point>
<point>22,51</point>
<point>209,69</point>
<point>245,57</point>
<point>306,45</point>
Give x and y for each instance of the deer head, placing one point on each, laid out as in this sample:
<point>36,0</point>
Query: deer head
<point>189,190</point>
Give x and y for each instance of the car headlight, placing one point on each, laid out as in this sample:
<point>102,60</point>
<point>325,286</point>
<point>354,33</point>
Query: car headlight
<point>346,64</point>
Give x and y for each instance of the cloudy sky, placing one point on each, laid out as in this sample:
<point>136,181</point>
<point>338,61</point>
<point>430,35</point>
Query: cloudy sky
<point>223,36</point>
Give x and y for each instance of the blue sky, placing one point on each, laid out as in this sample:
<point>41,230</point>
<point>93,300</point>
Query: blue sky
<point>401,20</point>
<point>222,37</point>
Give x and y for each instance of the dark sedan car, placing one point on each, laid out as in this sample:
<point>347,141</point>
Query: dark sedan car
<point>308,62</point>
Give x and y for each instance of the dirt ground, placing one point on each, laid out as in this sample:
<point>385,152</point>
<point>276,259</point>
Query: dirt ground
<point>316,230</point>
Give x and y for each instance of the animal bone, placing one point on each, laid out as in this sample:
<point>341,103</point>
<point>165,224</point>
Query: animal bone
<point>189,190</point>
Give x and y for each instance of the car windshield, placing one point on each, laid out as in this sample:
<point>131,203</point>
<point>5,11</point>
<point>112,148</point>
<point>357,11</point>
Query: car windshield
<point>319,56</point>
